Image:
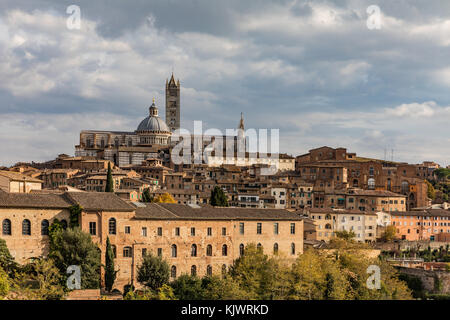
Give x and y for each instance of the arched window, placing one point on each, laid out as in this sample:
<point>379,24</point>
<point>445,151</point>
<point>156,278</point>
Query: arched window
<point>275,248</point>
<point>371,183</point>
<point>130,142</point>
<point>293,248</point>
<point>405,187</point>
<point>224,269</point>
<point>64,224</point>
<point>116,142</point>
<point>241,249</point>
<point>224,250</point>
<point>194,250</point>
<point>44,227</point>
<point>209,250</point>
<point>328,217</point>
<point>355,182</point>
<point>174,251</point>
<point>127,252</point>
<point>26,227</point>
<point>130,158</point>
<point>173,272</point>
<point>114,249</point>
<point>328,226</point>
<point>389,184</point>
<point>6,226</point>
<point>259,246</point>
<point>112,226</point>
<point>209,271</point>
<point>193,271</point>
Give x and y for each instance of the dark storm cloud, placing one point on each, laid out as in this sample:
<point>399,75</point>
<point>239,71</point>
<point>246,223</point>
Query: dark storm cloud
<point>311,68</point>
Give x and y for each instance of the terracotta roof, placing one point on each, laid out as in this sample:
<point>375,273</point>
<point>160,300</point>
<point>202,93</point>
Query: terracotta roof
<point>186,212</point>
<point>102,201</point>
<point>33,200</point>
<point>425,213</point>
<point>18,176</point>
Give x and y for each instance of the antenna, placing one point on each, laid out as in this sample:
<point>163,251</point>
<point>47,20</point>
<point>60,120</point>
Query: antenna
<point>392,155</point>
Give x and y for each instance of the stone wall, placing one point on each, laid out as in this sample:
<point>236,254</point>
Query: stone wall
<point>429,277</point>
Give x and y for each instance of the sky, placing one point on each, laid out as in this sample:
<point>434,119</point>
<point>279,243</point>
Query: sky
<point>312,69</point>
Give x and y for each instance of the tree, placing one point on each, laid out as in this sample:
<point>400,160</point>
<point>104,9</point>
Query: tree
<point>153,272</point>
<point>187,287</point>
<point>110,273</point>
<point>255,272</point>
<point>389,233</point>
<point>75,247</point>
<point>109,180</point>
<point>48,278</point>
<point>164,198</point>
<point>75,213</point>
<point>431,193</point>
<point>4,283</point>
<point>345,235</point>
<point>218,288</point>
<point>218,197</point>
<point>146,197</point>
<point>7,262</point>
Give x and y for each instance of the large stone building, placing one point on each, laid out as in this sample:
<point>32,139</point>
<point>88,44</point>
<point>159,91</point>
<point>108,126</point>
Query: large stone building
<point>11,181</point>
<point>193,239</point>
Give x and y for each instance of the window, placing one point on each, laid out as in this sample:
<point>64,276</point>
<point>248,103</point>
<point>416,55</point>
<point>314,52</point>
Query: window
<point>26,227</point>
<point>209,250</point>
<point>371,183</point>
<point>44,227</point>
<point>293,248</point>
<point>259,228</point>
<point>177,231</point>
<point>159,252</point>
<point>209,231</point>
<point>193,271</point>
<point>144,252</point>
<point>275,228</point>
<point>259,246</point>
<point>173,272</point>
<point>241,249</point>
<point>192,231</point>
<point>194,250</point>
<point>209,271</point>
<point>275,248</point>
<point>6,227</point>
<point>128,229</point>
<point>127,252</point>
<point>224,250</point>
<point>292,228</point>
<point>174,251</point>
<point>144,231</point>
<point>224,231</point>
<point>241,228</point>
<point>159,231</point>
<point>112,226</point>
<point>93,228</point>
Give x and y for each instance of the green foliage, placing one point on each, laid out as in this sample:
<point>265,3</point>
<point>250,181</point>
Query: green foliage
<point>4,283</point>
<point>153,272</point>
<point>431,193</point>
<point>109,180</point>
<point>187,287</point>
<point>146,197</point>
<point>48,279</point>
<point>389,234</point>
<point>75,247</point>
<point>345,235</point>
<point>414,284</point>
<point>75,214</point>
<point>110,272</point>
<point>218,197</point>
<point>442,173</point>
<point>7,262</point>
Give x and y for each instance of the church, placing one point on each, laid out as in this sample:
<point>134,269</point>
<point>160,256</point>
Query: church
<point>152,140</point>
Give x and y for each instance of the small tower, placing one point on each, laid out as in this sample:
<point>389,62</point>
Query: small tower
<point>173,103</point>
<point>241,143</point>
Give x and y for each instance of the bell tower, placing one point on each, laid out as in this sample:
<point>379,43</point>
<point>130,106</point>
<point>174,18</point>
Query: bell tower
<point>173,103</point>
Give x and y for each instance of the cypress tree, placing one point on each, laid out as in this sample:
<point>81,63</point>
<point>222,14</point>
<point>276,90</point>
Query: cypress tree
<point>110,273</point>
<point>109,180</point>
<point>218,197</point>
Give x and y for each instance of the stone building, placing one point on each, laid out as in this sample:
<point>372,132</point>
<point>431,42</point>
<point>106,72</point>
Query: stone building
<point>193,239</point>
<point>329,221</point>
<point>173,115</point>
<point>11,181</point>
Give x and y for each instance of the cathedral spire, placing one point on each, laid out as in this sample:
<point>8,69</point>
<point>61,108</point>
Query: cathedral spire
<point>241,122</point>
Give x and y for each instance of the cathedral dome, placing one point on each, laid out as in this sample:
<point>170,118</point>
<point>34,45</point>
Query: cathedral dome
<point>153,122</point>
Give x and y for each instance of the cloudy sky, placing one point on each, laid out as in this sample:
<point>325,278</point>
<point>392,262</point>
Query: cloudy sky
<point>313,69</point>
